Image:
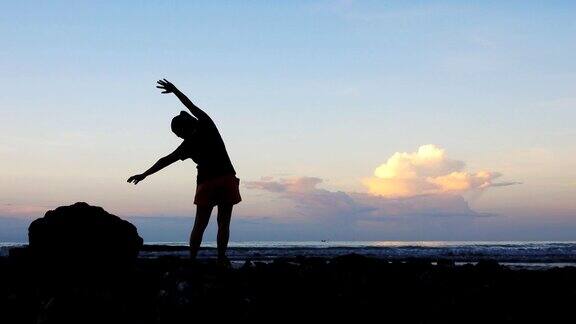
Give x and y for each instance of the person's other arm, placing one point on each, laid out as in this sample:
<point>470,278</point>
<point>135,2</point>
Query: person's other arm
<point>168,87</point>
<point>159,165</point>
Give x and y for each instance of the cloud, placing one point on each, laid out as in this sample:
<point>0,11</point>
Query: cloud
<point>425,183</point>
<point>317,204</point>
<point>309,200</point>
<point>506,184</point>
<point>291,186</point>
<point>8,209</point>
<point>428,171</point>
<point>418,195</point>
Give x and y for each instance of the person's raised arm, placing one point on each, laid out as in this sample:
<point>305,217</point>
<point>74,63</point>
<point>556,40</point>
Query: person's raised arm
<point>159,165</point>
<point>168,87</point>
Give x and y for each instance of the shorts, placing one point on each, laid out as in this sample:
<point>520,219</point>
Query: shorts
<point>220,190</point>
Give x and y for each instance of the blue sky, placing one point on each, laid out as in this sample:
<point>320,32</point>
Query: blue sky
<point>301,89</point>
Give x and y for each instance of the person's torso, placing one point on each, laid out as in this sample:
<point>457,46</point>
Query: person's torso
<point>206,148</point>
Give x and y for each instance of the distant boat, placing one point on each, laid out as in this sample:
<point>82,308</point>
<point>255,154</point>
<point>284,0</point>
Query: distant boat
<point>323,241</point>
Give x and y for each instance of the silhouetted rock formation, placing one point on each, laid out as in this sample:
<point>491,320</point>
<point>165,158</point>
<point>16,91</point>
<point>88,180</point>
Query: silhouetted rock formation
<point>82,262</point>
<point>81,234</point>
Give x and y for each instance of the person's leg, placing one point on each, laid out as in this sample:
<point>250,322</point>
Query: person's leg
<point>224,216</point>
<point>202,217</point>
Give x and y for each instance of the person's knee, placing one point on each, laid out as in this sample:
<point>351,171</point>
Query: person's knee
<point>199,228</point>
<point>224,215</point>
<point>203,215</point>
<point>224,226</point>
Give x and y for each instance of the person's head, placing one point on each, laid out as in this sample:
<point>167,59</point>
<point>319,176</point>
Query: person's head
<point>184,125</point>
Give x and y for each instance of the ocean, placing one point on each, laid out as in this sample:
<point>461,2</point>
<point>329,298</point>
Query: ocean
<point>520,254</point>
<point>515,253</point>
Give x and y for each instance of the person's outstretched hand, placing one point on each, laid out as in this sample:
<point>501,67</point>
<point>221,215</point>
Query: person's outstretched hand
<point>136,178</point>
<point>166,85</point>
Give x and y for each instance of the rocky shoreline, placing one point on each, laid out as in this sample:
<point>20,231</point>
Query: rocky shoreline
<point>353,287</point>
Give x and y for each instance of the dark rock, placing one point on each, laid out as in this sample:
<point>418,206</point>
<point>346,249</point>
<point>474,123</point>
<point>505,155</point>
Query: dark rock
<point>312,261</point>
<point>419,262</point>
<point>446,263</point>
<point>247,265</point>
<point>83,262</point>
<point>354,261</point>
<point>488,265</point>
<point>19,252</point>
<point>83,235</point>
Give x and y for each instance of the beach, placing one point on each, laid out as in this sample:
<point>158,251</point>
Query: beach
<point>169,288</point>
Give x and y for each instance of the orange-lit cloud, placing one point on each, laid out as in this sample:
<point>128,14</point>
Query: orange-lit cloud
<point>427,171</point>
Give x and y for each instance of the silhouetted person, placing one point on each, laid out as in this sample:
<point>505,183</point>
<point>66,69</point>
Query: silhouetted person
<point>217,184</point>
